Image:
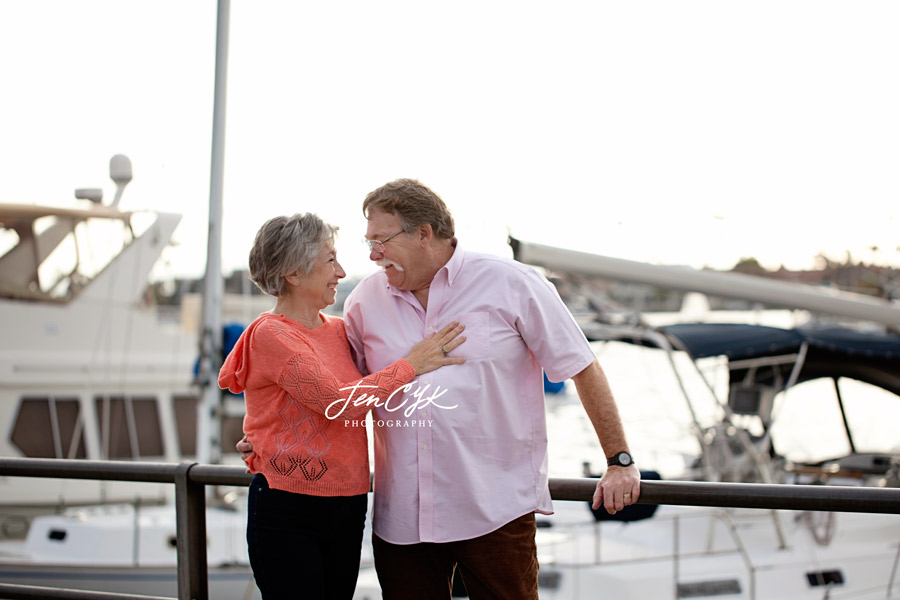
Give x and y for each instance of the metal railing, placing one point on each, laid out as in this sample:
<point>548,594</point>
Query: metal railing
<point>191,479</point>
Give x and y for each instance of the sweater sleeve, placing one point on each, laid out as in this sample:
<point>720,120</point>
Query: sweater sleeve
<point>304,379</point>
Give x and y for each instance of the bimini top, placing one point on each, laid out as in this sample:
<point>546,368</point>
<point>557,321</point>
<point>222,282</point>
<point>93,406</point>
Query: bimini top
<point>831,352</point>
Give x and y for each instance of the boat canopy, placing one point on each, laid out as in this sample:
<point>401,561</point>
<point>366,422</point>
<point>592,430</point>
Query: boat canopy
<point>872,357</point>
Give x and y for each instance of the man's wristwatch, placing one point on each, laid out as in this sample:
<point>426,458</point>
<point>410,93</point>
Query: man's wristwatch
<point>621,459</point>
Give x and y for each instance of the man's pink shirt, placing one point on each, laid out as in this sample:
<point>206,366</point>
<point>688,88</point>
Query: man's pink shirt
<point>474,456</point>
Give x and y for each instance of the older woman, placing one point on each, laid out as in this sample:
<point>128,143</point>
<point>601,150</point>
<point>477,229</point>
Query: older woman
<point>306,403</point>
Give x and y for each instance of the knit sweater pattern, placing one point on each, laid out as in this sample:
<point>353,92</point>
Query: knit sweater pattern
<point>296,381</point>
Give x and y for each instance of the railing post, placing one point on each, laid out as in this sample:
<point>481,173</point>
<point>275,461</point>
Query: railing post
<point>190,519</point>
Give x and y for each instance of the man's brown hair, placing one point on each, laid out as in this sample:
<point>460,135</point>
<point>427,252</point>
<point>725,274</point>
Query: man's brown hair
<point>415,203</point>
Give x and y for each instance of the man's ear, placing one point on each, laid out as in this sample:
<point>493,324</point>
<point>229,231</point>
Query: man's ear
<point>425,233</point>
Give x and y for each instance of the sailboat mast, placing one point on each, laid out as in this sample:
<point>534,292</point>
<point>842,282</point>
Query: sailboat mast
<point>209,442</point>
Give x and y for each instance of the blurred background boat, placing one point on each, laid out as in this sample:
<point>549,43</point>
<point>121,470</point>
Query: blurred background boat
<point>806,394</point>
<point>93,369</point>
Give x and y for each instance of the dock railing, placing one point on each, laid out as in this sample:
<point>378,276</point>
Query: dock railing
<point>191,479</point>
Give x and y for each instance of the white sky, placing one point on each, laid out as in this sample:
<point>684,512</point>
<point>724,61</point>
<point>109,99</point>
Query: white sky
<point>673,132</point>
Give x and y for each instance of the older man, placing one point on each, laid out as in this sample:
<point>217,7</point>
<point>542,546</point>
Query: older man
<point>461,456</point>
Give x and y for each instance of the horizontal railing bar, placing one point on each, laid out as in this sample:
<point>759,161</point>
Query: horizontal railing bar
<point>220,475</point>
<point>107,470</point>
<point>28,592</point>
<point>831,498</point>
<point>691,493</point>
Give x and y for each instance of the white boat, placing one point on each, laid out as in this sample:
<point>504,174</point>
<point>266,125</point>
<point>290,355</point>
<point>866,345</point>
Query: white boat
<point>89,367</point>
<point>111,382</point>
<point>682,552</point>
<point>733,402</point>
<point>124,549</point>
<point>92,370</point>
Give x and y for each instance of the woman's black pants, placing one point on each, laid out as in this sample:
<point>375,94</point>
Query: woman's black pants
<point>304,547</point>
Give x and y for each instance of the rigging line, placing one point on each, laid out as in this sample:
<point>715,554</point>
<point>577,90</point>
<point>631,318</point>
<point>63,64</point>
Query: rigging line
<point>791,382</point>
<point>131,425</point>
<point>54,426</point>
<point>103,329</point>
<point>840,400</point>
<point>104,334</point>
<point>77,434</point>
<point>104,418</point>
<point>130,314</point>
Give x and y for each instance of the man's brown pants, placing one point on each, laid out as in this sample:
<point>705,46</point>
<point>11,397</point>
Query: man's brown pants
<point>501,564</point>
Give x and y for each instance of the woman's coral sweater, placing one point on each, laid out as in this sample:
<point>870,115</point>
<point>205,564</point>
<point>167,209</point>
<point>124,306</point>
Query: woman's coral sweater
<point>290,375</point>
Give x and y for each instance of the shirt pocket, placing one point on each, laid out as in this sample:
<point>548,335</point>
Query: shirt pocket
<point>477,334</point>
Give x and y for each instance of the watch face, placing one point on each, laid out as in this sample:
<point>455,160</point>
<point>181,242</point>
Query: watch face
<point>622,459</point>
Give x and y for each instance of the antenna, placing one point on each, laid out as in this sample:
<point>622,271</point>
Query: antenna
<point>93,194</point>
<point>120,173</point>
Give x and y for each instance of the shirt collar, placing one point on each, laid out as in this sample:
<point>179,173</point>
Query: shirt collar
<point>452,268</point>
<point>453,265</point>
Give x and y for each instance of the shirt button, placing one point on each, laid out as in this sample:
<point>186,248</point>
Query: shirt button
<point>430,328</point>
<point>425,447</point>
<point>424,415</point>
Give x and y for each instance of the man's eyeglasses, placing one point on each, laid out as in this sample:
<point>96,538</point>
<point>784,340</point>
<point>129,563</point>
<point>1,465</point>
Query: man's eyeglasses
<point>378,245</point>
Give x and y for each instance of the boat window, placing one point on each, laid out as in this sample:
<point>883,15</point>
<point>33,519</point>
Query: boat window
<point>715,587</point>
<point>9,239</point>
<point>120,436</point>
<point>54,273</point>
<point>827,578</point>
<point>872,413</point>
<point>49,427</point>
<point>55,256</point>
<point>186,421</point>
<point>808,426</point>
<point>99,241</point>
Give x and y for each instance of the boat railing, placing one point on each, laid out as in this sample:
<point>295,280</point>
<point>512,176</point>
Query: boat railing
<point>678,552</point>
<point>191,479</point>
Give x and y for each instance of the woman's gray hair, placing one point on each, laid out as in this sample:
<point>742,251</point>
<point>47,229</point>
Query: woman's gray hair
<point>284,245</point>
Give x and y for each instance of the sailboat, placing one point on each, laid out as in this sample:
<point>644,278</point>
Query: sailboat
<point>738,385</point>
